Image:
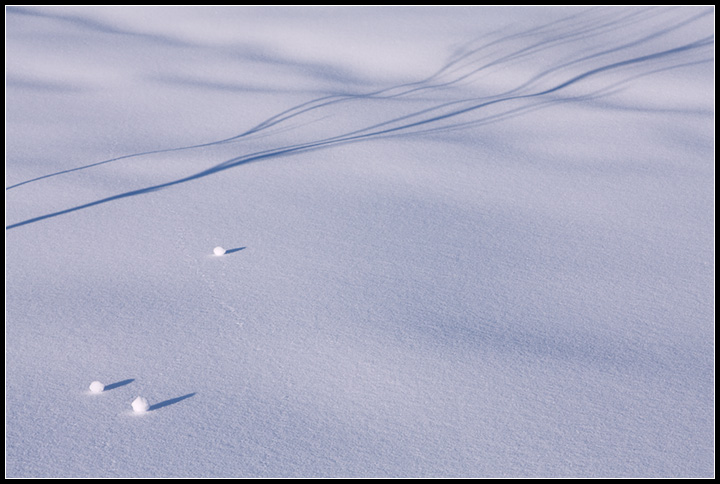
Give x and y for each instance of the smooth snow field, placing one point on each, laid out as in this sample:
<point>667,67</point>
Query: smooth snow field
<point>452,242</point>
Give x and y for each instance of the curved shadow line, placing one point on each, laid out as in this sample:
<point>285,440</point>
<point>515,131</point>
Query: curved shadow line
<point>375,131</point>
<point>523,52</point>
<point>604,92</point>
<point>171,401</point>
<point>334,99</point>
<point>575,31</point>
<point>90,24</point>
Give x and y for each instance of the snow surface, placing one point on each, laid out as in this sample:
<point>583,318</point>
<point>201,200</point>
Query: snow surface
<point>461,242</point>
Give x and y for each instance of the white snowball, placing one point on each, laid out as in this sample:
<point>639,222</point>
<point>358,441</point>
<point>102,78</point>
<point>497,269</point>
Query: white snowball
<point>140,405</point>
<point>218,251</point>
<point>97,387</point>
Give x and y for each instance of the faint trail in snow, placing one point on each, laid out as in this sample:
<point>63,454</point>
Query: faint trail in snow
<point>536,92</point>
<point>210,281</point>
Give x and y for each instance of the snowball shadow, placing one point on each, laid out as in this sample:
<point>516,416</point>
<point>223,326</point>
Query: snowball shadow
<point>237,249</point>
<point>169,402</point>
<point>118,384</point>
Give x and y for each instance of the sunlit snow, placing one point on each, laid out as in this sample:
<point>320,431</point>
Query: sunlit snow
<point>458,242</point>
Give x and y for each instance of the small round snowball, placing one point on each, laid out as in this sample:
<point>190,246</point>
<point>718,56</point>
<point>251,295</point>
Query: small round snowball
<point>97,387</point>
<point>218,251</point>
<point>140,405</point>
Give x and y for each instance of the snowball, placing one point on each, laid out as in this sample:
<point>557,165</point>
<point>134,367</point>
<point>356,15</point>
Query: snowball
<point>140,405</point>
<point>218,251</point>
<point>97,387</point>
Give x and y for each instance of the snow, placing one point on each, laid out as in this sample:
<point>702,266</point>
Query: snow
<point>461,242</point>
<point>219,251</point>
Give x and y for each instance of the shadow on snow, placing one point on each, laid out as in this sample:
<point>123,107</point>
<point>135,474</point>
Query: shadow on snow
<point>462,113</point>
